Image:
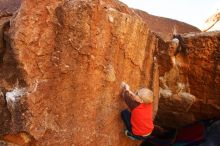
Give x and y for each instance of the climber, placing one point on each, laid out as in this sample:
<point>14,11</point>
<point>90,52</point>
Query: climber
<point>179,45</point>
<point>139,122</point>
<point>3,28</point>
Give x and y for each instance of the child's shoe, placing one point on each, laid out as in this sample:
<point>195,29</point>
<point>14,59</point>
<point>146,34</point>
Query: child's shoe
<point>130,135</point>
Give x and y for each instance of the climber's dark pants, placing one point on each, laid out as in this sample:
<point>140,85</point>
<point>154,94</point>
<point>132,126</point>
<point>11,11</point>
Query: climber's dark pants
<point>126,117</point>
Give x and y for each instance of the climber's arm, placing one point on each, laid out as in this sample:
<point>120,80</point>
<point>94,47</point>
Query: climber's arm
<point>129,98</point>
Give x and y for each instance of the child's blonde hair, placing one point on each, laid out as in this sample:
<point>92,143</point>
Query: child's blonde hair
<point>146,95</point>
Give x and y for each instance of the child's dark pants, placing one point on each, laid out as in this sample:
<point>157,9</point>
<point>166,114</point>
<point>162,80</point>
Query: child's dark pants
<point>126,117</point>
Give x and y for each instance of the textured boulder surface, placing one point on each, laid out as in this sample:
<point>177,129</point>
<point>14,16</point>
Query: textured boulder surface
<point>60,78</point>
<point>9,74</point>
<point>189,84</point>
<point>72,57</point>
<point>164,26</point>
<point>9,6</point>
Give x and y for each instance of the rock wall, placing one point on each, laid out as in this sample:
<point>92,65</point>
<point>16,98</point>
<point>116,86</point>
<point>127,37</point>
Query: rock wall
<point>204,71</point>
<point>9,74</point>
<point>60,78</point>
<point>8,7</point>
<point>189,84</point>
<point>72,57</point>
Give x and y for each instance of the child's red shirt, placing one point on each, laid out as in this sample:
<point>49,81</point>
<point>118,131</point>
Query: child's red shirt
<point>142,119</point>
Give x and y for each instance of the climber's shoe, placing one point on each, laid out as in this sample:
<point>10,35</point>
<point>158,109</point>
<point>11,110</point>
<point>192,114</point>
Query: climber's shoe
<point>130,135</point>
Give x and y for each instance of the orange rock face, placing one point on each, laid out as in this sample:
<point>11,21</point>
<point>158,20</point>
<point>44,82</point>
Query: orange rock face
<point>190,87</point>
<point>61,77</point>
<point>74,56</point>
<point>204,71</point>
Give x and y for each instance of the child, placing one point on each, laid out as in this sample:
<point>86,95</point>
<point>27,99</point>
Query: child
<point>139,122</point>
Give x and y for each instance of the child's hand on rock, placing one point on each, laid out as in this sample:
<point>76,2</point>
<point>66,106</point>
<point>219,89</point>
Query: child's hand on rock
<point>125,86</point>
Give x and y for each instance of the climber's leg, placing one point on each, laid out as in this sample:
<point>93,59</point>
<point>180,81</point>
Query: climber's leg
<point>126,116</point>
